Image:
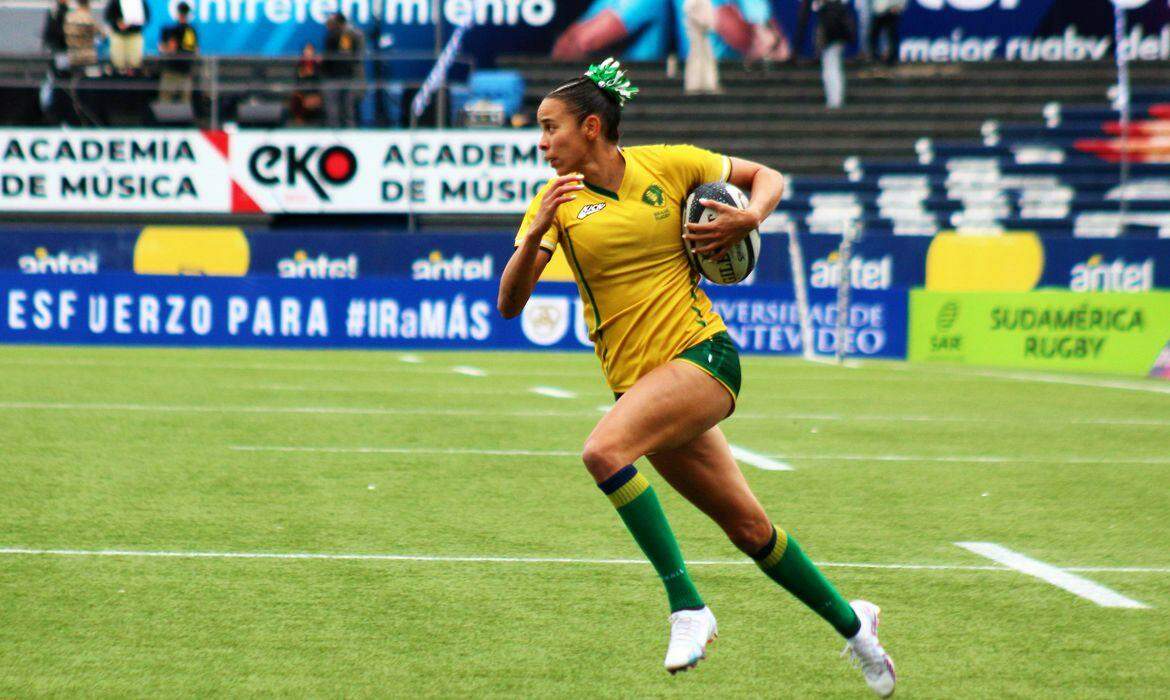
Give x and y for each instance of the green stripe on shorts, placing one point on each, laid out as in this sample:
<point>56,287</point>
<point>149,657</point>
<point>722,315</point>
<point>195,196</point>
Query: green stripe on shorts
<point>719,357</point>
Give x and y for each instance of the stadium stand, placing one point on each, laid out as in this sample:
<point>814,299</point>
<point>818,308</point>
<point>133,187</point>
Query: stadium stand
<point>1039,154</point>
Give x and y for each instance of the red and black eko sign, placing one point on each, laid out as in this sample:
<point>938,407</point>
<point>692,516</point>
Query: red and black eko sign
<point>318,167</point>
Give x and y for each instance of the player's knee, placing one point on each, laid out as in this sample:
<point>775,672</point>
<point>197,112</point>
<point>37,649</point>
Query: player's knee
<point>600,459</point>
<point>749,535</point>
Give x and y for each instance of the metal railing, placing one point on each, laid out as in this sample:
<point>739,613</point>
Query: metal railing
<point>219,84</point>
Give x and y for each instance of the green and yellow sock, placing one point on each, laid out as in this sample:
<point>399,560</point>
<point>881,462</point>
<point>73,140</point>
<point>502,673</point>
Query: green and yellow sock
<point>638,506</point>
<point>785,563</point>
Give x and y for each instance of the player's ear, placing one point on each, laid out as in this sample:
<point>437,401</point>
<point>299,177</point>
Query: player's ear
<point>592,126</point>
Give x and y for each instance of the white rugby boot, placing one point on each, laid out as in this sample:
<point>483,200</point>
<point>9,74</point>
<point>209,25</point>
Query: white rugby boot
<point>690,631</point>
<point>866,651</point>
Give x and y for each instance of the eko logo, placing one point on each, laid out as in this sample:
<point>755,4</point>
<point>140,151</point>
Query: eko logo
<point>288,165</point>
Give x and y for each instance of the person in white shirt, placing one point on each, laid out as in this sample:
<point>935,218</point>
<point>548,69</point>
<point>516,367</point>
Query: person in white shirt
<point>701,74</point>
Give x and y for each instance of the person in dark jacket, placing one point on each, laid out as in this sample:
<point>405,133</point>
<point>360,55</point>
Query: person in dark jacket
<point>126,18</point>
<point>179,44</point>
<point>53,33</point>
<point>340,68</point>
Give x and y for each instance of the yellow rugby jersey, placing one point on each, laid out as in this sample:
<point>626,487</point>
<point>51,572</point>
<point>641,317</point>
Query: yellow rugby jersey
<point>643,305</point>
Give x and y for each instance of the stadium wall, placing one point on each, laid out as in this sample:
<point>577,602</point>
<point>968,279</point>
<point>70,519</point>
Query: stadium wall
<point>328,287</point>
<point>1019,261</point>
<point>127,309</point>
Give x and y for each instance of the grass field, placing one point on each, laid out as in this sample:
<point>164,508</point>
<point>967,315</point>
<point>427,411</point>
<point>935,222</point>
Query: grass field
<point>470,483</point>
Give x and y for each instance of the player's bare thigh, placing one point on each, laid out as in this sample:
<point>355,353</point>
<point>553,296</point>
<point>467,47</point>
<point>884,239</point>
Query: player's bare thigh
<point>706,474</point>
<point>668,407</point>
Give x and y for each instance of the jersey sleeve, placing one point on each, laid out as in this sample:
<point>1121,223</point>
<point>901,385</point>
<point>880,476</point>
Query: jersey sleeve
<point>551,236</point>
<point>691,166</point>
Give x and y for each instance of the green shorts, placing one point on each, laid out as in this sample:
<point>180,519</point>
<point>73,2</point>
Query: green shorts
<point>718,357</point>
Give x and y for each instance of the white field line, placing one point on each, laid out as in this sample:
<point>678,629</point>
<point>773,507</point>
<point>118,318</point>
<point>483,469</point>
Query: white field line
<point>1077,585</point>
<point>553,392</point>
<point>311,410</point>
<point>780,458</point>
<point>360,410</point>
<point>1151,386</point>
<point>463,391</point>
<point>979,459</point>
<point>409,451</point>
<point>469,371</point>
<point>341,368</point>
<point>758,460</point>
<point>922,418</point>
<point>410,359</point>
<point>911,372</point>
<point>443,558</point>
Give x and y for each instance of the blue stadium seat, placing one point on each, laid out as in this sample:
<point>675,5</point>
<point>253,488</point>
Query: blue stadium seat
<point>505,87</point>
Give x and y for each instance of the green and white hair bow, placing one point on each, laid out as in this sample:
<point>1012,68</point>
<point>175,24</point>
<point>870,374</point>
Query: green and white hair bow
<point>608,77</point>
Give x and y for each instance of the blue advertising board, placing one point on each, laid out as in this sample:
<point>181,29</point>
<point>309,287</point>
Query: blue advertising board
<point>944,31</point>
<point>880,262</point>
<point>126,309</point>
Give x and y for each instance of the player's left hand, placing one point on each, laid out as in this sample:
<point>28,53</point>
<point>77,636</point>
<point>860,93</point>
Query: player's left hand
<point>715,237</point>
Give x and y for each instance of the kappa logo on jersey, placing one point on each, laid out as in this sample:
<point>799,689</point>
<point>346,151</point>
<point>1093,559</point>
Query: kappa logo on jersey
<point>654,196</point>
<point>590,209</point>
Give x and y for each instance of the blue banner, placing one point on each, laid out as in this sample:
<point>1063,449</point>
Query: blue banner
<point>879,262</point>
<point>124,309</point>
<point>935,31</point>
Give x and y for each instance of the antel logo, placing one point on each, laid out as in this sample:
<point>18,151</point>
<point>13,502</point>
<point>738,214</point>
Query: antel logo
<point>289,165</point>
<point>969,5</point>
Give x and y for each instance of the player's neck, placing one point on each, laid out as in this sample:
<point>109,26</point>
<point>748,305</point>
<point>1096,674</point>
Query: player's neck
<point>607,169</point>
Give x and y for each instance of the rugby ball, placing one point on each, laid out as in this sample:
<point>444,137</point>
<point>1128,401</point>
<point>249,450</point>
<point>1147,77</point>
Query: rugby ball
<point>739,262</point>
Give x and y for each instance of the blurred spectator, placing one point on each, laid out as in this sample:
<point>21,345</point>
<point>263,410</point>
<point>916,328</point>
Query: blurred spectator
<point>81,32</point>
<point>53,34</point>
<point>887,14</point>
<point>701,74</point>
<point>126,19</point>
<point>343,48</point>
<point>307,104</point>
<point>178,44</point>
<point>53,41</point>
<point>835,31</point>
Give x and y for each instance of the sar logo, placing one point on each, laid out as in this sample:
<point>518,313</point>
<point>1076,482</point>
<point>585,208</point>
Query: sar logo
<point>948,313</point>
<point>545,319</point>
<point>654,196</point>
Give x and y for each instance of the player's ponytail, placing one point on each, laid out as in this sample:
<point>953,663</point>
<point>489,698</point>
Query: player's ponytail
<point>603,90</point>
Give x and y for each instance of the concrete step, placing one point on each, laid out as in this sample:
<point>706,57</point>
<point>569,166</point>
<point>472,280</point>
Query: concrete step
<point>868,93</point>
<point>795,129</point>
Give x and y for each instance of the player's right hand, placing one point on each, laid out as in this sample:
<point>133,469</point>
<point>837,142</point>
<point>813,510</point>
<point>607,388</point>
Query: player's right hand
<point>562,189</point>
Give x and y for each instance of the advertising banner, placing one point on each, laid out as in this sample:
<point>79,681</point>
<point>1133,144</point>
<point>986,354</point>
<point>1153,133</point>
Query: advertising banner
<point>1131,265</point>
<point>1106,332</point>
<point>113,170</point>
<point>123,309</point>
<point>934,31</point>
<point>249,172</point>
<point>423,171</point>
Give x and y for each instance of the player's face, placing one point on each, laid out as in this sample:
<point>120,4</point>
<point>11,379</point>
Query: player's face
<point>562,139</point>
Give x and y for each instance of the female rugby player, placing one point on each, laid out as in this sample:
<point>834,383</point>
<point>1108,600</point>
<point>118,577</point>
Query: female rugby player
<point>665,353</point>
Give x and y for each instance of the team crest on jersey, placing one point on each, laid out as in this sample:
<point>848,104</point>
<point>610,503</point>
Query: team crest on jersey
<point>590,209</point>
<point>654,196</point>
